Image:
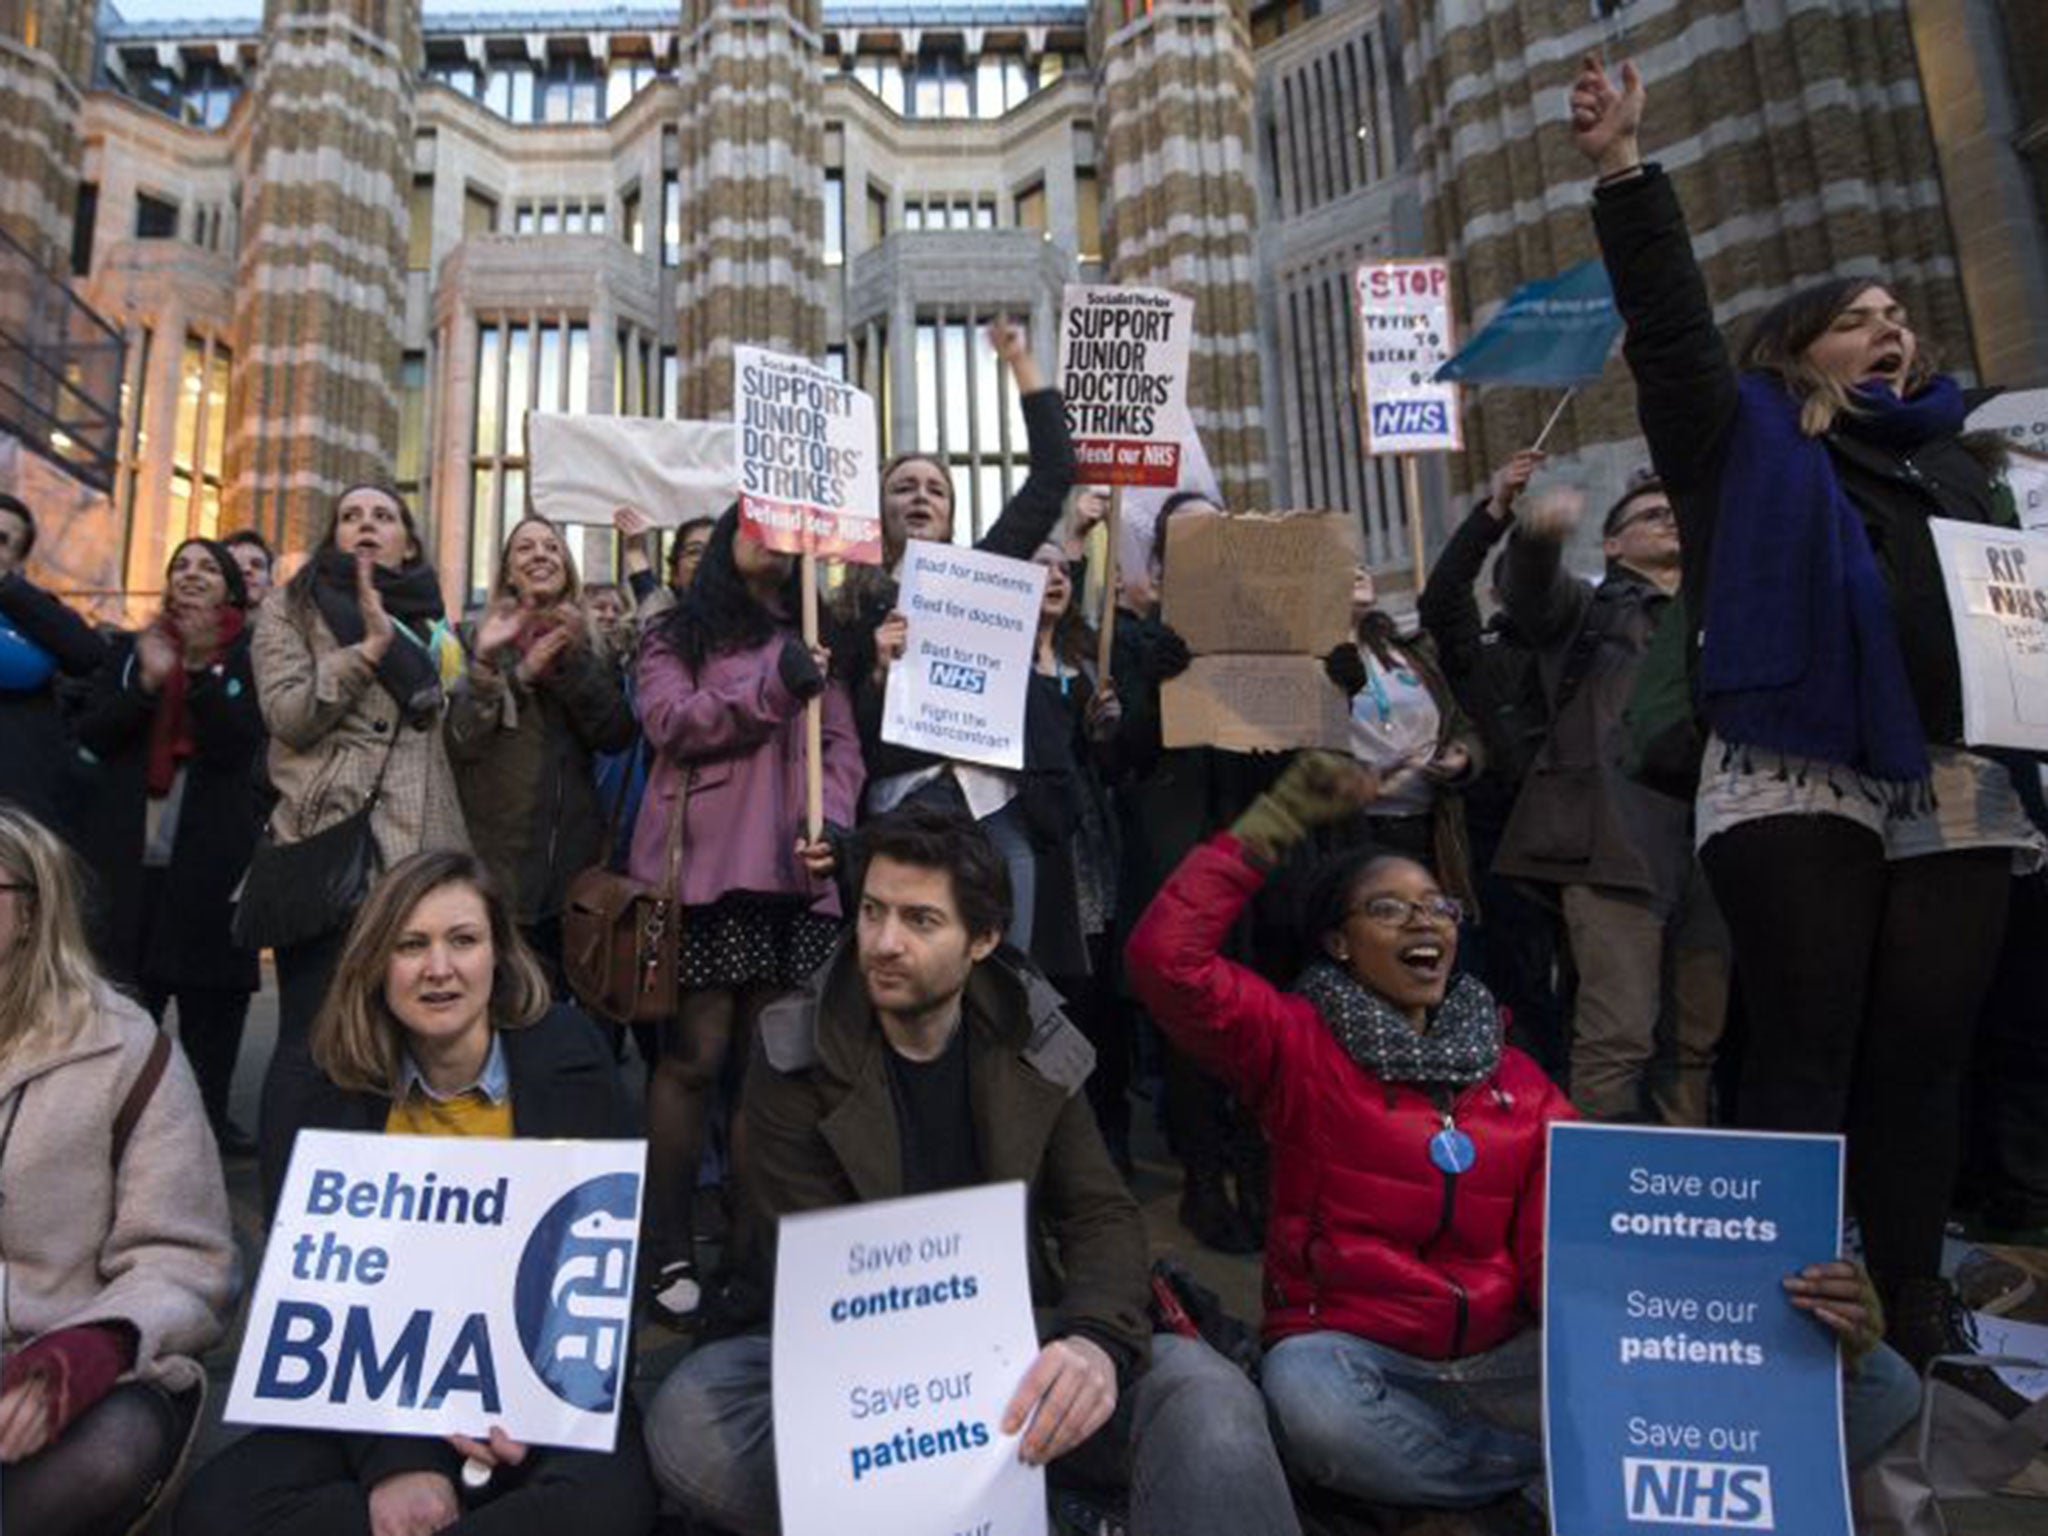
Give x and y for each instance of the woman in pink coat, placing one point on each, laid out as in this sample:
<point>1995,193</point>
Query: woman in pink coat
<point>723,682</point>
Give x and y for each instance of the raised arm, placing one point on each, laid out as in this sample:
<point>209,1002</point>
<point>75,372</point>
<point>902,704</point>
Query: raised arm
<point>1031,515</point>
<point>1544,599</point>
<point>1448,609</point>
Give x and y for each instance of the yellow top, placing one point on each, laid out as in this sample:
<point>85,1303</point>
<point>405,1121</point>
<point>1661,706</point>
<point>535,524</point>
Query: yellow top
<point>484,1108</point>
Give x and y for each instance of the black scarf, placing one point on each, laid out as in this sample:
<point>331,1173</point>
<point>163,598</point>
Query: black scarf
<point>1460,1046</point>
<point>412,597</point>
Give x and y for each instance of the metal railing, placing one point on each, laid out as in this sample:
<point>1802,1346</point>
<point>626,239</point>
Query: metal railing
<point>60,370</point>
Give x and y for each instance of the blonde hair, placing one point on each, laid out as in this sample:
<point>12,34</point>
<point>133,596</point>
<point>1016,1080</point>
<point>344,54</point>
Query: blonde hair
<point>572,581</point>
<point>357,1040</point>
<point>50,985</point>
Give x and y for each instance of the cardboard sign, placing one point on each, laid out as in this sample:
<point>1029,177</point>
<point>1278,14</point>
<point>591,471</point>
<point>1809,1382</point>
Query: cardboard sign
<point>584,468</point>
<point>1405,336</point>
<point>1998,598</point>
<point>1263,584</point>
<point>809,467</point>
<point>902,1328</point>
<point>1681,1389</point>
<point>1254,704</point>
<point>959,689</point>
<point>433,1285</point>
<point>1124,376</point>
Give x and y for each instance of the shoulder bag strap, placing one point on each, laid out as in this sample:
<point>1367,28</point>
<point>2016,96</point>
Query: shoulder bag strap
<point>139,1095</point>
<point>674,886</point>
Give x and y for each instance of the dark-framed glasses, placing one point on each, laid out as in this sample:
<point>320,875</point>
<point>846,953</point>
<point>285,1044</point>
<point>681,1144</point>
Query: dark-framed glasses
<point>1397,912</point>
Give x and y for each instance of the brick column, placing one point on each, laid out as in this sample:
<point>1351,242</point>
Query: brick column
<point>1800,147</point>
<point>1173,111</point>
<point>45,60</point>
<point>749,156</point>
<point>320,290</point>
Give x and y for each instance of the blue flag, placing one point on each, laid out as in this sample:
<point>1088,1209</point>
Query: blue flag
<point>1557,332</point>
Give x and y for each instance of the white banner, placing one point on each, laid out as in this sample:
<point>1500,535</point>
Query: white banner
<point>586,467</point>
<point>1124,377</point>
<point>810,470</point>
<point>2020,416</point>
<point>1998,597</point>
<point>433,1285</point>
<point>1404,328</point>
<point>959,689</point>
<point>902,1330</point>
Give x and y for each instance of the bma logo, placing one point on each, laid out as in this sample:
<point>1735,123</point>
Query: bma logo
<point>1404,418</point>
<point>574,1297</point>
<point>950,674</point>
<point>1719,1493</point>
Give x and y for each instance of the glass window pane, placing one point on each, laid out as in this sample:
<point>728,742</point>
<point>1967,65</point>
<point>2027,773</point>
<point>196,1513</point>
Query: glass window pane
<point>419,229</point>
<point>1031,207</point>
<point>954,92</point>
<point>889,79</point>
<point>412,415</point>
<point>579,371</point>
<point>629,220</point>
<point>1088,215</point>
<point>483,529</point>
<point>670,406</point>
<point>209,509</point>
<point>671,221</point>
<point>988,87</point>
<point>928,97</point>
<point>548,396</point>
<point>572,221</point>
<point>522,95</point>
<point>987,395</point>
<point>218,367</point>
<point>550,219</point>
<point>988,495</point>
<point>927,381</point>
<point>959,431</point>
<point>619,88</point>
<point>488,377</point>
<point>523,221</point>
<point>181,504</point>
<point>597,221</point>
<point>515,498</point>
<point>191,383</point>
<point>985,215</point>
<point>835,218</point>
<point>1014,402</point>
<point>518,386</point>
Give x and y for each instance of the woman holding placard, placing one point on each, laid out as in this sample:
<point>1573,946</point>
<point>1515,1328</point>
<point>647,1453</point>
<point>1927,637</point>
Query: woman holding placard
<point>119,1264</point>
<point>918,504</point>
<point>439,1023</point>
<point>1862,857</point>
<point>1404,1259</point>
<point>723,682</point>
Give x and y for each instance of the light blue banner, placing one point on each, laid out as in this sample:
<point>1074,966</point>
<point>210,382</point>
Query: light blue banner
<point>1555,332</point>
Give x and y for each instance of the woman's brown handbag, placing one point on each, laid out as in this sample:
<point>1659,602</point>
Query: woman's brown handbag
<point>622,940</point>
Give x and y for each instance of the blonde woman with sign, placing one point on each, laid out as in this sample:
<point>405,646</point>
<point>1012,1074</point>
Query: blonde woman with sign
<point>120,1269</point>
<point>439,1023</point>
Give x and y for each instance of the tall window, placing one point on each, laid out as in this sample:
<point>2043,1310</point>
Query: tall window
<point>199,436</point>
<point>878,214</point>
<point>631,229</point>
<point>1087,216</point>
<point>967,413</point>
<point>540,364</point>
<point>671,220</point>
<point>570,89</point>
<point>1031,207</point>
<point>835,218</point>
<point>156,218</point>
<point>419,228</point>
<point>479,213</point>
<point>411,466</point>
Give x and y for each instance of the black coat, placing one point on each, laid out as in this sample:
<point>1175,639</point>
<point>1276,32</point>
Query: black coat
<point>565,1085</point>
<point>1686,401</point>
<point>35,745</point>
<point>182,938</point>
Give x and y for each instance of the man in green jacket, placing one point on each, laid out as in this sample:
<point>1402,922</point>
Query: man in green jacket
<point>924,1057</point>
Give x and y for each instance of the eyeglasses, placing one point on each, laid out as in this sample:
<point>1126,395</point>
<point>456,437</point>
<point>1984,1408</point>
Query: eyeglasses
<point>1647,515</point>
<point>1394,912</point>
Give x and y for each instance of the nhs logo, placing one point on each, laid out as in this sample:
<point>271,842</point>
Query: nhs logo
<point>1713,1493</point>
<point>950,674</point>
<point>1408,418</point>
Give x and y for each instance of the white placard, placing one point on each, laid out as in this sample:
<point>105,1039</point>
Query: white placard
<point>584,468</point>
<point>1998,597</point>
<point>2018,415</point>
<point>902,1329</point>
<point>1124,377</point>
<point>433,1285</point>
<point>809,466</point>
<point>1405,335</point>
<point>2026,476</point>
<point>959,689</point>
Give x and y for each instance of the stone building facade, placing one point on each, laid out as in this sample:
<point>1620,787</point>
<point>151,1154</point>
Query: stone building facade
<point>350,241</point>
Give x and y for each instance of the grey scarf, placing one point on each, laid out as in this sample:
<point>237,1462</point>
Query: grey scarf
<point>1461,1044</point>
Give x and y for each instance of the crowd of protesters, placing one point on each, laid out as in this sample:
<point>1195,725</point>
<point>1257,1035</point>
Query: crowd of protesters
<point>1793,903</point>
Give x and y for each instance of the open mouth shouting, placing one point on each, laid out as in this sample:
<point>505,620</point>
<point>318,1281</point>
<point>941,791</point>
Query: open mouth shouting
<point>1889,369</point>
<point>1426,960</point>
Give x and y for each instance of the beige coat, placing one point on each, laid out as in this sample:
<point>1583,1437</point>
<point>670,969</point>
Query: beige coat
<point>330,731</point>
<point>147,1244</point>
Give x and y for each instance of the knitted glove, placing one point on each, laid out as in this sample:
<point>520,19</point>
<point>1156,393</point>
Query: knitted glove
<point>1317,789</point>
<point>798,670</point>
<point>1345,667</point>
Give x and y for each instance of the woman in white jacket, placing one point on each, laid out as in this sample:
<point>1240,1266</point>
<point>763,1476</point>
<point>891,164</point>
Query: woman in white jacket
<point>113,1220</point>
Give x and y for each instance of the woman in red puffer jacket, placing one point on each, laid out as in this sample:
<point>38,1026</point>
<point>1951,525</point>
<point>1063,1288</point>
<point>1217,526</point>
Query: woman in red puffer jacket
<point>1404,1259</point>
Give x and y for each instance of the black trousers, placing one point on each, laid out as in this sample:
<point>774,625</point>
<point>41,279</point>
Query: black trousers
<point>210,1021</point>
<point>1863,981</point>
<point>303,974</point>
<point>290,1482</point>
<point>2009,1084</point>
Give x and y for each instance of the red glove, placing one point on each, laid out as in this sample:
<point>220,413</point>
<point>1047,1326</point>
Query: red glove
<point>79,1365</point>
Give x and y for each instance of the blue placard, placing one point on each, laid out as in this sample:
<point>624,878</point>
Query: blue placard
<point>1682,1391</point>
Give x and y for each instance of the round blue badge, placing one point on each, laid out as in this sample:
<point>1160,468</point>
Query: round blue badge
<point>1451,1150</point>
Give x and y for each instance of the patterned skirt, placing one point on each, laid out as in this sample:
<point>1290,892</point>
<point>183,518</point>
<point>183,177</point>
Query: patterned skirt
<point>754,941</point>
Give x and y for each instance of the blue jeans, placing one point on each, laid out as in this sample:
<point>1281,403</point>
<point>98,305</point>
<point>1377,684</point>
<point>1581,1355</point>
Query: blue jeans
<point>1189,1436</point>
<point>1373,1424</point>
<point>1377,1425</point>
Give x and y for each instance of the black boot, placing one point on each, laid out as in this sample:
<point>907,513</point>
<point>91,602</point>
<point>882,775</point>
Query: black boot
<point>1206,1211</point>
<point>1925,1320</point>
